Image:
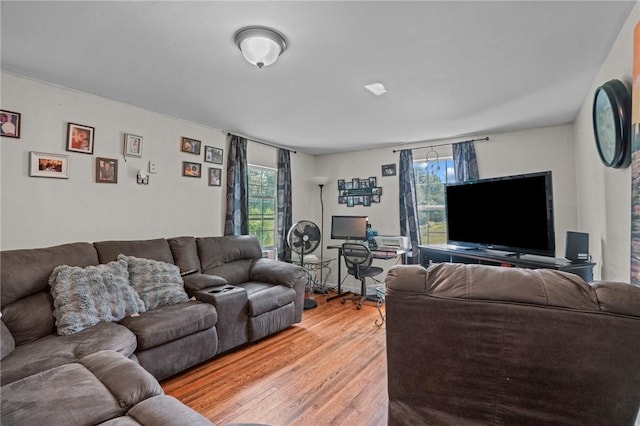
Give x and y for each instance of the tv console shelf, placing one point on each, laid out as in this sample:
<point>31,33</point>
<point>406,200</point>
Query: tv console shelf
<point>446,253</point>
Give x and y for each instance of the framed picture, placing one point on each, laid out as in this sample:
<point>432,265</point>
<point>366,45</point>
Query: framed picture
<point>80,138</point>
<point>132,145</point>
<point>213,155</point>
<point>9,124</point>
<point>376,191</point>
<point>356,183</point>
<point>191,146</point>
<point>340,184</point>
<point>372,182</point>
<point>106,170</point>
<point>42,164</point>
<point>348,185</point>
<point>389,170</point>
<point>366,200</point>
<point>215,176</point>
<point>191,169</point>
<point>349,201</point>
<point>364,183</point>
<point>342,199</point>
<point>375,198</point>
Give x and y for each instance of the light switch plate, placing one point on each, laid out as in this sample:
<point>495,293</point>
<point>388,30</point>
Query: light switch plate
<point>152,167</point>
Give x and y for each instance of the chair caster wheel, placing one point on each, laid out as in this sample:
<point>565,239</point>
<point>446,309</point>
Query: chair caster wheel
<point>343,301</point>
<point>359,306</point>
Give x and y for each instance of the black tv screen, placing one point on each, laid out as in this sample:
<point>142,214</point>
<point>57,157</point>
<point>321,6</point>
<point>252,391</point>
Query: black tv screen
<point>349,228</point>
<point>511,213</point>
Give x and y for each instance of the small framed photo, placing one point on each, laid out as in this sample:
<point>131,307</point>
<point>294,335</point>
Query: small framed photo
<point>375,198</point>
<point>364,183</point>
<point>106,170</point>
<point>348,185</point>
<point>9,124</point>
<point>389,170</point>
<point>191,169</point>
<point>366,200</point>
<point>213,154</point>
<point>376,191</point>
<point>372,182</point>
<point>80,138</point>
<point>215,176</point>
<point>342,200</point>
<point>42,164</point>
<point>191,146</point>
<point>356,183</point>
<point>350,201</point>
<point>340,184</point>
<point>132,145</point>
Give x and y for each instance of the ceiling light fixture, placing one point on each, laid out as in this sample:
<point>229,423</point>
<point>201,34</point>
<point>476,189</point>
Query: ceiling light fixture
<point>260,46</point>
<point>377,89</point>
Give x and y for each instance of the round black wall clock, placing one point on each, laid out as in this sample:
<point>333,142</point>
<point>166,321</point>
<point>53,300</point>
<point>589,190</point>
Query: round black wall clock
<point>612,123</point>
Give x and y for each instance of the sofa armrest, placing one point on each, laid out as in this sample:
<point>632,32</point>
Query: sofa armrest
<point>277,272</point>
<point>198,281</point>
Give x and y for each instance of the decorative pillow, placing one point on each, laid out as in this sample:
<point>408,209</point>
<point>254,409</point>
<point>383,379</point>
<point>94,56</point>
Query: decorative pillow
<point>158,283</point>
<point>84,297</point>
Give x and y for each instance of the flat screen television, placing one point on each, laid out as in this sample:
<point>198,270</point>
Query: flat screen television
<point>349,228</point>
<point>510,213</point>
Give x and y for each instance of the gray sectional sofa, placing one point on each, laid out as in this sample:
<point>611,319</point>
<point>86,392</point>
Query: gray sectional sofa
<point>194,298</point>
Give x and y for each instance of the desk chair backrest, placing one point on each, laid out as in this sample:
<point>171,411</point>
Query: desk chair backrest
<point>357,257</point>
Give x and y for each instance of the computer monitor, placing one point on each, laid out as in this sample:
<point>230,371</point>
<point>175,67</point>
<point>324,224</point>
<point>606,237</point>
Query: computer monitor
<point>349,228</point>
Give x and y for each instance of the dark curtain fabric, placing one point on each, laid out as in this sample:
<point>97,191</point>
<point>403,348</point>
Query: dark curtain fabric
<point>283,201</point>
<point>465,162</point>
<point>409,204</point>
<point>237,217</point>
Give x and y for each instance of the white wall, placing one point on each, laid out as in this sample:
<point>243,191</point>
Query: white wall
<point>38,212</point>
<point>604,195</point>
<point>534,150</point>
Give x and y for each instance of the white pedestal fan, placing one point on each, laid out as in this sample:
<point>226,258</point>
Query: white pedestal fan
<point>304,238</point>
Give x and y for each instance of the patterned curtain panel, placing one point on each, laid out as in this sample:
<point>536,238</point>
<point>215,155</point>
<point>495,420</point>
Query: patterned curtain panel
<point>409,203</point>
<point>237,217</point>
<point>284,218</point>
<point>465,162</point>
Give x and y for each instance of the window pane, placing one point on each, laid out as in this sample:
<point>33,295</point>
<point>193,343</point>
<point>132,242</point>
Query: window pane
<point>430,180</point>
<point>262,204</point>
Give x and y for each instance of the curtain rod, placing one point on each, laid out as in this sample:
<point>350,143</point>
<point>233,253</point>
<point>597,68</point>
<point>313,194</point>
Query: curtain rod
<point>262,143</point>
<point>443,144</point>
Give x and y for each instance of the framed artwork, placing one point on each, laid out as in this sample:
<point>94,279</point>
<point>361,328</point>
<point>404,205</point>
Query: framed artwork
<point>9,124</point>
<point>132,145</point>
<point>340,184</point>
<point>191,146</point>
<point>388,169</point>
<point>375,198</point>
<point>372,182</point>
<point>342,199</point>
<point>191,169</point>
<point>213,154</point>
<point>80,138</point>
<point>356,183</point>
<point>366,200</point>
<point>349,201</point>
<point>106,170</point>
<point>215,176</point>
<point>364,183</point>
<point>42,164</point>
<point>348,185</point>
<point>376,191</point>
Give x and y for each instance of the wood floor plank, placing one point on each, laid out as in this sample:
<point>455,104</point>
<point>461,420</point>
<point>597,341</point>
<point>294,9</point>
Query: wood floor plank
<point>328,370</point>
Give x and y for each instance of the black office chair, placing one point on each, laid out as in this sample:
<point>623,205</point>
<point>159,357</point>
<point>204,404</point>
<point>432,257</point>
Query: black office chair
<point>358,259</point>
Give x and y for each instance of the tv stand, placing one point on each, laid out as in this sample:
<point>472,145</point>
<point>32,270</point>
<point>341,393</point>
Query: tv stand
<point>445,253</point>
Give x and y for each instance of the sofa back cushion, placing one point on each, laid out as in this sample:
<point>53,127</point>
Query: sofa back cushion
<point>157,249</point>
<point>216,251</point>
<point>27,307</point>
<point>229,257</point>
<point>185,254</point>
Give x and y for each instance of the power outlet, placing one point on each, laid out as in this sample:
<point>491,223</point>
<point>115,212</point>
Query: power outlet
<point>152,167</point>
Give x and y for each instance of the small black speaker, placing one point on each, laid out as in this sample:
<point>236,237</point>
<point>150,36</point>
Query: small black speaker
<point>577,247</point>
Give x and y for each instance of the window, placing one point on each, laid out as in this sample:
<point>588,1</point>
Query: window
<point>431,176</point>
<point>262,205</point>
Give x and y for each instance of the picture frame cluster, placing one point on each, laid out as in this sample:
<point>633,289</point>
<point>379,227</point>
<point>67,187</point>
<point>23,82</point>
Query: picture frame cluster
<point>359,191</point>
<point>211,155</point>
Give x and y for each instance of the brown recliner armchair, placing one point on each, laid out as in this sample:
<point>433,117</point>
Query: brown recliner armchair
<point>484,345</point>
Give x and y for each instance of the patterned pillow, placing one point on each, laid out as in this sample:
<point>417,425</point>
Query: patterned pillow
<point>84,297</point>
<point>158,283</point>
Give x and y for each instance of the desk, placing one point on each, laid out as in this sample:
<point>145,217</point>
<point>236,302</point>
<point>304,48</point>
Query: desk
<point>377,254</point>
<point>313,265</point>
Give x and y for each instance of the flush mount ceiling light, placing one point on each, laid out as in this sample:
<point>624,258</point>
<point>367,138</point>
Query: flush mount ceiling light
<point>260,46</point>
<point>377,89</point>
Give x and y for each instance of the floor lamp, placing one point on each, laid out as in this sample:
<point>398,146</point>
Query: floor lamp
<point>321,181</point>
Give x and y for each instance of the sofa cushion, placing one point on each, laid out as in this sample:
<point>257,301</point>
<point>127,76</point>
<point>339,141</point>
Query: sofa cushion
<point>216,251</point>
<point>26,272</point>
<point>53,350</point>
<point>267,297</point>
<point>158,283</point>
<point>83,297</point>
<point>165,410</point>
<point>7,343</point>
<point>235,272</point>
<point>168,323</point>
<point>157,249</point>
<point>185,254</point>
<point>30,318</point>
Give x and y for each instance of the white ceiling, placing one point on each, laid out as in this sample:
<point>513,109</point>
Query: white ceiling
<point>451,68</point>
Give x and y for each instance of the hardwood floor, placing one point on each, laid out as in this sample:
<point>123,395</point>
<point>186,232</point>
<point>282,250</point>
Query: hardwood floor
<point>330,369</point>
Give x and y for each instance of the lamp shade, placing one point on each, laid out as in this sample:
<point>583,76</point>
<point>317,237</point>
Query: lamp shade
<point>321,180</point>
<point>260,46</point>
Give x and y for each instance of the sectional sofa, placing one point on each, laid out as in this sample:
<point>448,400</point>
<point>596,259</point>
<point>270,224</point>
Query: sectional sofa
<point>158,305</point>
